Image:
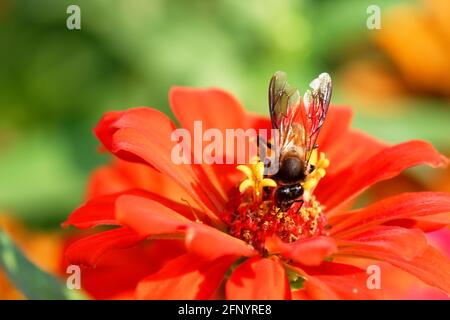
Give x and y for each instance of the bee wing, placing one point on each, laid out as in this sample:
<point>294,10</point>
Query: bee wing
<point>283,101</point>
<point>299,123</point>
<point>315,107</point>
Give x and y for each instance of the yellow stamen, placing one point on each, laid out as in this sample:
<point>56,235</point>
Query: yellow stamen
<point>320,164</point>
<point>255,179</point>
<point>246,170</point>
<point>247,183</point>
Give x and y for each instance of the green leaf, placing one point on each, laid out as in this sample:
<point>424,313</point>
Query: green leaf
<point>33,282</point>
<point>295,280</point>
<point>234,266</point>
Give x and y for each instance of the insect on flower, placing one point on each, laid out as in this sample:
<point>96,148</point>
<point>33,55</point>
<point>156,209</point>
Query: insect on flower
<point>296,125</point>
<point>299,126</point>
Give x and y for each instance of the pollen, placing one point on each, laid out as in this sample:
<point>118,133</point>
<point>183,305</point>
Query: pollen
<point>255,180</point>
<point>256,215</point>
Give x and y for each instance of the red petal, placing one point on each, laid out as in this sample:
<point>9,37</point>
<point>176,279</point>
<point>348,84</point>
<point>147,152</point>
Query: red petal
<point>334,128</point>
<point>409,254</point>
<point>186,277</point>
<point>87,251</point>
<point>105,129</point>
<point>428,223</point>
<point>332,268</point>
<point>107,180</point>
<point>404,206</point>
<point>405,243</point>
<point>432,267</point>
<point>332,281</point>
<point>118,271</point>
<point>335,191</point>
<point>123,175</point>
<point>98,211</point>
<point>352,147</point>
<point>339,287</point>
<point>148,217</point>
<point>316,289</point>
<point>226,175</point>
<point>146,134</point>
<point>214,107</point>
<point>310,251</point>
<point>257,121</point>
<point>102,210</point>
<point>199,240</point>
<point>259,279</point>
<point>300,295</point>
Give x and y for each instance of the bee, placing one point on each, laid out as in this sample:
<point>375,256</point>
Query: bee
<point>298,123</point>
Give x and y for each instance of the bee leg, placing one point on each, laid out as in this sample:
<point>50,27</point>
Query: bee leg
<point>300,207</point>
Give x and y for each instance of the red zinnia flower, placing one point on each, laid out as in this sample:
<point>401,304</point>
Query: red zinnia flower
<point>185,231</point>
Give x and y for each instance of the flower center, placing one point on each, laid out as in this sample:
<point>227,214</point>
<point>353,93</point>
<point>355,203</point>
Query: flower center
<point>257,215</point>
